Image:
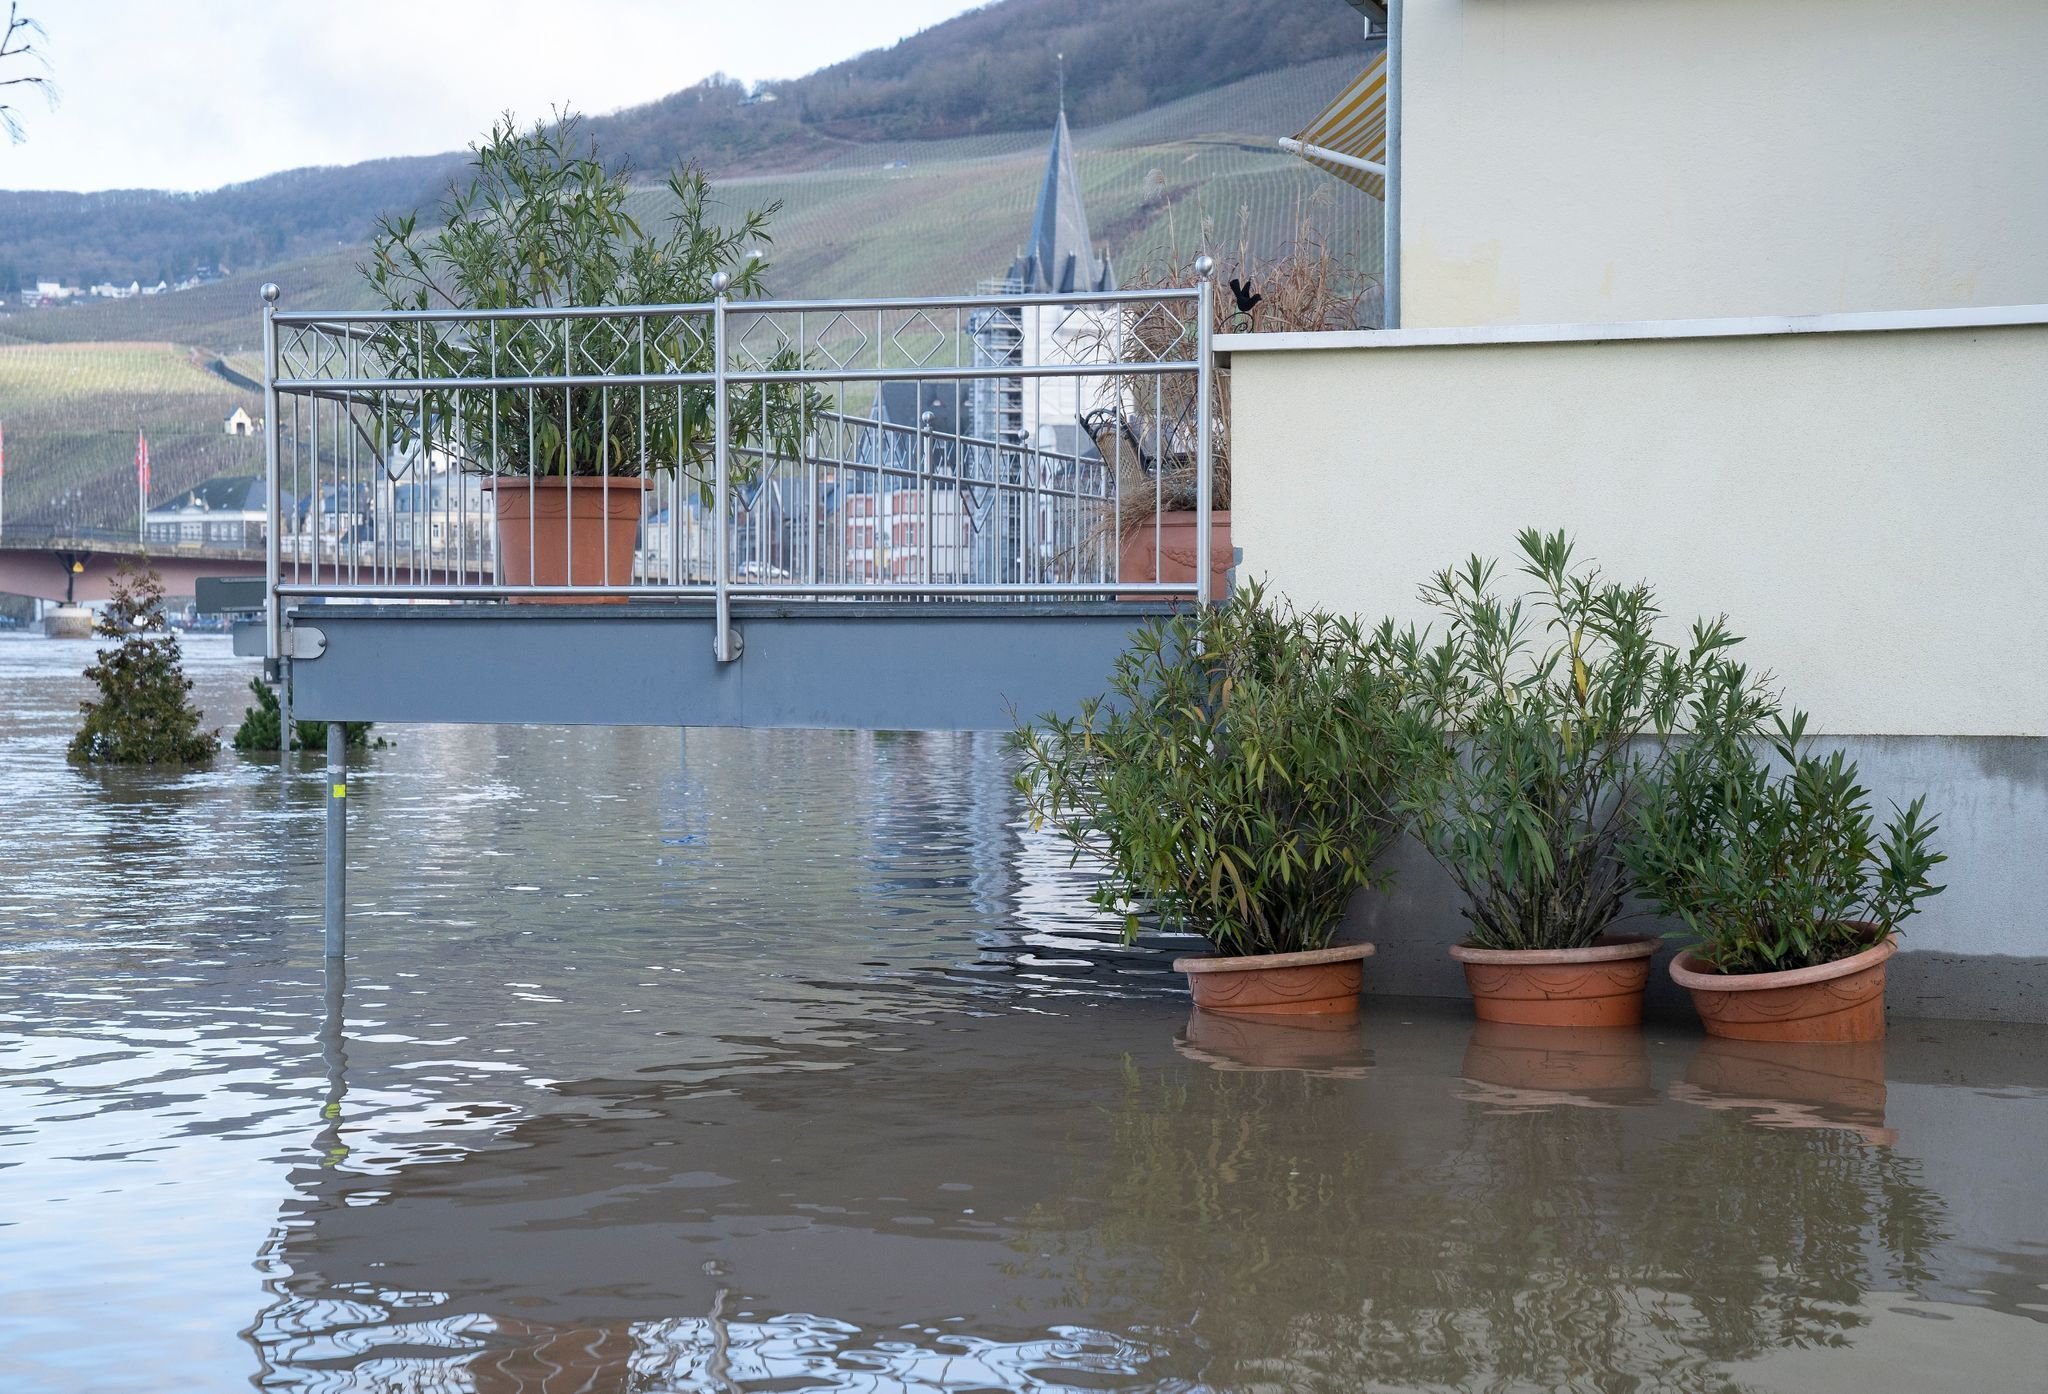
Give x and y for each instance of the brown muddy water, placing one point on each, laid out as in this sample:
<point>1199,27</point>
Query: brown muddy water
<point>771,1061</point>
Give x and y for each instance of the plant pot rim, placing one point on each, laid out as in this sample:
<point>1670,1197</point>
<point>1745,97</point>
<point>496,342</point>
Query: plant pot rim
<point>1611,948</point>
<point>1247,963</point>
<point>558,481</point>
<point>1167,512</point>
<point>1694,973</point>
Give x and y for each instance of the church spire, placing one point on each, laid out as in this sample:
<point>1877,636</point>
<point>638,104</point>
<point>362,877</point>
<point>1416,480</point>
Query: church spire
<point>1060,256</point>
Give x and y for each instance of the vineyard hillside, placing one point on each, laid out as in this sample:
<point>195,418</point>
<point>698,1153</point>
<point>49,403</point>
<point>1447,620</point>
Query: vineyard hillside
<point>71,413</point>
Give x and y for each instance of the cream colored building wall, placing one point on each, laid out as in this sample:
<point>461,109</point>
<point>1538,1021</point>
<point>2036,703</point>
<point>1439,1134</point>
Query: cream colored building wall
<point>1598,160</point>
<point>1870,509</point>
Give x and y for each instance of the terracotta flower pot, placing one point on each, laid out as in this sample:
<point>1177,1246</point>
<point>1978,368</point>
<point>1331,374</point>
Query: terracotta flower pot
<point>1601,985</point>
<point>1166,552</point>
<point>558,532</point>
<point>1839,1001</point>
<point>1593,1060</point>
<point>1317,982</point>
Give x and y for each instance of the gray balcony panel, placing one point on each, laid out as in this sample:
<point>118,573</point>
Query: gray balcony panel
<point>874,665</point>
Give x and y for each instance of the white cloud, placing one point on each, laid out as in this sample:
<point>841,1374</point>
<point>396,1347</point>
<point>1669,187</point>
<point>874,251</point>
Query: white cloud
<point>192,96</point>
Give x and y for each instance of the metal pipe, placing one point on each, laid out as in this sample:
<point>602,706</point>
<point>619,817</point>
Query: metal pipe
<point>1205,384</point>
<point>273,560</point>
<point>721,560</point>
<point>335,918</point>
<point>1335,157</point>
<point>335,320</point>
<point>1390,238</point>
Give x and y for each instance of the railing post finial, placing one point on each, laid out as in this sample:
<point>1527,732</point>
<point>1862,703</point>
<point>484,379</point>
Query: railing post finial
<point>269,292</point>
<point>1205,266</point>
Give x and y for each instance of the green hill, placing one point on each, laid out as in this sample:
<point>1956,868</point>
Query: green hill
<point>987,72</point>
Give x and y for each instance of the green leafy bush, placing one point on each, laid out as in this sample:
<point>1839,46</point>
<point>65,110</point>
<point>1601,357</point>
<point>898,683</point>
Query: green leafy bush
<point>262,726</point>
<point>1236,780</point>
<point>1775,868</point>
<point>1538,721</point>
<point>143,715</point>
<point>543,222</point>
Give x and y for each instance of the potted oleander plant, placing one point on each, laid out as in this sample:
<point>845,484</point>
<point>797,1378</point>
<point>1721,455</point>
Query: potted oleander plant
<point>1235,782</point>
<point>1538,722</point>
<point>1770,856</point>
<point>542,223</point>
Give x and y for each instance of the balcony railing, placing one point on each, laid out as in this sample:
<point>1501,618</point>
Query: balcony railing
<point>987,446</point>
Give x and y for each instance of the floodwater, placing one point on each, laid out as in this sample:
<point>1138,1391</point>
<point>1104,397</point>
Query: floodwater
<point>771,1061</point>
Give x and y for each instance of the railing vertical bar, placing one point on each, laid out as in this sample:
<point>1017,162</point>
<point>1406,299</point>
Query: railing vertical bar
<point>273,543</point>
<point>1205,369</point>
<point>721,638</point>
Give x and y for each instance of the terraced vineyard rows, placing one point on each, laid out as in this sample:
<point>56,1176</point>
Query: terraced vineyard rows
<point>71,413</point>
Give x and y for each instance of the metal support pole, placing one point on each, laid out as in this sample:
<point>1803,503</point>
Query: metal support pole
<point>722,646</point>
<point>1390,238</point>
<point>272,489</point>
<point>1205,387</point>
<point>336,918</point>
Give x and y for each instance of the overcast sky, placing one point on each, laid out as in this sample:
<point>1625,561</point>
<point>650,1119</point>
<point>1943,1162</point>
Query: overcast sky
<point>161,94</point>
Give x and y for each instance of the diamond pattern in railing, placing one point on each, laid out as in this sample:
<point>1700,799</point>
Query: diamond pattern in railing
<point>841,342</point>
<point>919,340</point>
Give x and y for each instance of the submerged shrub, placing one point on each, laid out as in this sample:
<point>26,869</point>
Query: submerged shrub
<point>1236,779</point>
<point>144,715</point>
<point>262,726</point>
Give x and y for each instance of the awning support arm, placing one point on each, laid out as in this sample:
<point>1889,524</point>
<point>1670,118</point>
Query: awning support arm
<point>1335,157</point>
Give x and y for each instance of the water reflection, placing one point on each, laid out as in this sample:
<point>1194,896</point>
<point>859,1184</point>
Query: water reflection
<point>1791,1085</point>
<point>1325,1045</point>
<point>759,1061</point>
<point>1540,1067</point>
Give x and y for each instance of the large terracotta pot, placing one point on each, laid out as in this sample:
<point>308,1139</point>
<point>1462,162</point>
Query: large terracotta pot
<point>548,526</point>
<point>1317,981</point>
<point>1601,985</point>
<point>1592,1060</point>
<point>1839,1001</point>
<point>1164,551</point>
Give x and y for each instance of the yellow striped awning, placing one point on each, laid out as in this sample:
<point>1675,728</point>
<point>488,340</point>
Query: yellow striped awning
<point>1353,127</point>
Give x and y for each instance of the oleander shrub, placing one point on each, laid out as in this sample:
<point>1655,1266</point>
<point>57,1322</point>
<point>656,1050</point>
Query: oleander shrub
<point>1768,852</point>
<point>1539,720</point>
<point>1236,781</point>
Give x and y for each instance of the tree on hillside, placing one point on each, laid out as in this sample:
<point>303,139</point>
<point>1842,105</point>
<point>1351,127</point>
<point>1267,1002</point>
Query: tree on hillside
<point>18,44</point>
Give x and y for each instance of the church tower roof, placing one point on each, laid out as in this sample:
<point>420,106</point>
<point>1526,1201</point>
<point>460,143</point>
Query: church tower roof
<point>1060,257</point>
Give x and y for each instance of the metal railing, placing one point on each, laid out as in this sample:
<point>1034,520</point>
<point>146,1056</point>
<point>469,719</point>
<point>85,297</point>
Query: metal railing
<point>732,449</point>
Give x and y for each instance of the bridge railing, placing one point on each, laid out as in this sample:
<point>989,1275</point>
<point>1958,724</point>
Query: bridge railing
<point>1005,446</point>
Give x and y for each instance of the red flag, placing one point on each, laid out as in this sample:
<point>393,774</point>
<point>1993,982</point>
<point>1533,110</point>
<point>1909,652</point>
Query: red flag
<point>142,463</point>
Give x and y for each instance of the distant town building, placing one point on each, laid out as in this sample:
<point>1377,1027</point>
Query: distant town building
<point>223,512</point>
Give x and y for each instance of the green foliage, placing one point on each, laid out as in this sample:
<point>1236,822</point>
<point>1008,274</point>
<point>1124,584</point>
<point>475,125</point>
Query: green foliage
<point>1236,781</point>
<point>262,726</point>
<point>1774,868</point>
<point>543,222</point>
<point>142,716</point>
<point>1539,720</point>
